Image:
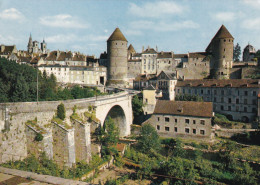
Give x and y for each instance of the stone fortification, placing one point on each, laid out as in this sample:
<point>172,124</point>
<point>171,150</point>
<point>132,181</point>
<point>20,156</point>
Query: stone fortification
<point>64,142</point>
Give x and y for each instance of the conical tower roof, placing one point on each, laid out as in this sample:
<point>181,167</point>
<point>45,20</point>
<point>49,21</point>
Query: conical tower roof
<point>223,33</point>
<point>117,35</point>
<point>131,48</point>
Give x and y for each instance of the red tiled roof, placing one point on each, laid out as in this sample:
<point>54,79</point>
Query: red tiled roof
<point>184,108</point>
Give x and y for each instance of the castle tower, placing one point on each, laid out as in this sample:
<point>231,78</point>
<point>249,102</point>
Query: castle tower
<point>30,45</point>
<point>117,57</point>
<point>43,47</point>
<point>221,50</point>
<point>131,51</point>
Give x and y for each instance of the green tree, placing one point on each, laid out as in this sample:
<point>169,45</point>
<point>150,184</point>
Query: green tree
<point>137,106</point>
<point>148,139</point>
<point>237,53</point>
<point>111,133</point>
<point>61,113</point>
<point>226,153</point>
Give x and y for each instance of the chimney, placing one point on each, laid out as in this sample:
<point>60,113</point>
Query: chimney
<point>156,49</point>
<point>142,49</point>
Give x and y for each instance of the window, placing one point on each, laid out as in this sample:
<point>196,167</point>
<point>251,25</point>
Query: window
<point>201,91</point>
<point>158,127</point>
<point>245,109</point>
<point>202,122</point>
<point>176,120</point>
<point>254,93</point>
<point>245,101</point>
<point>167,129</point>
<point>146,100</point>
<point>166,119</point>
<point>194,131</point>
<point>222,100</point>
<point>208,91</point>
<point>237,101</point>
<point>175,129</point>
<point>187,130</point>
<point>222,92</point>
<point>229,100</point>
<point>229,108</point>
<point>245,93</point>
<point>215,99</point>
<point>202,132</point>
<point>237,108</point>
<point>215,92</point>
<point>194,121</point>
<point>158,118</point>
<point>187,121</point>
<point>222,107</point>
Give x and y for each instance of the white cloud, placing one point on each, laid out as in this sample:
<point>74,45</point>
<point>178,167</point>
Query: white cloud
<point>11,14</point>
<point>133,32</point>
<point>72,38</point>
<point>155,9</point>
<point>63,21</point>
<point>252,24</point>
<point>164,26</point>
<point>225,16</point>
<point>252,3</point>
<point>9,40</point>
<point>100,38</point>
<point>62,38</point>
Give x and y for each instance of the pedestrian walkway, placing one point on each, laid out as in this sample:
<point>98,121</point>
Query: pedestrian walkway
<point>16,177</point>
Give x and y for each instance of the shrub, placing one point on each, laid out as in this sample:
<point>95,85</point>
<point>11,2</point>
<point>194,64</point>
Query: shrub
<point>61,111</point>
<point>38,137</point>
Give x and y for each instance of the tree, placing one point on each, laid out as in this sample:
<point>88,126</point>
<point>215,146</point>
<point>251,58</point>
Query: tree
<point>148,139</point>
<point>237,53</point>
<point>111,133</point>
<point>61,111</point>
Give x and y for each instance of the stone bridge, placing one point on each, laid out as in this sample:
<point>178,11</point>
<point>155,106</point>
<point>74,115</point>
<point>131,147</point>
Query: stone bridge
<point>13,116</point>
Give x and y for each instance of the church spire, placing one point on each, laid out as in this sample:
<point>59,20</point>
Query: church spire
<point>30,44</point>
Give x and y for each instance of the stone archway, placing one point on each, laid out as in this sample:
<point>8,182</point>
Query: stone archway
<point>118,116</point>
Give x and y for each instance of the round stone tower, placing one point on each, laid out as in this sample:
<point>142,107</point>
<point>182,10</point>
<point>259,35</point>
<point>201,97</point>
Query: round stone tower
<point>117,58</point>
<point>221,50</point>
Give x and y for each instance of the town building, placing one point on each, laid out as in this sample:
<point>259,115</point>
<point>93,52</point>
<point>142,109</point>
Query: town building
<point>150,96</point>
<point>84,75</point>
<point>182,119</point>
<point>236,98</point>
<point>6,51</point>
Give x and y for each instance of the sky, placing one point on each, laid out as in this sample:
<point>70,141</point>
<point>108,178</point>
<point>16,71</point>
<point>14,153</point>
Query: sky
<point>85,25</point>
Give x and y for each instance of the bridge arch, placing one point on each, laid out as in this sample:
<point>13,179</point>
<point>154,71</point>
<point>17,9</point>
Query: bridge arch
<point>119,109</point>
<point>117,114</point>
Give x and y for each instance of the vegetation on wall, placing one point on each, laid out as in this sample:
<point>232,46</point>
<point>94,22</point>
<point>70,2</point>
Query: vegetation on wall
<point>45,166</point>
<point>18,83</point>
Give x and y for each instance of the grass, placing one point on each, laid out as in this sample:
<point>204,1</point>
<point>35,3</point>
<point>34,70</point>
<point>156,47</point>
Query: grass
<point>223,121</point>
<point>33,124</point>
<point>62,123</point>
<point>250,153</point>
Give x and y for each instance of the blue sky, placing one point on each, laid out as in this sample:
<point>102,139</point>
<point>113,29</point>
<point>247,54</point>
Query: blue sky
<point>84,25</point>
